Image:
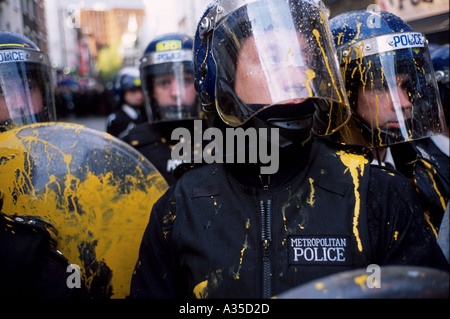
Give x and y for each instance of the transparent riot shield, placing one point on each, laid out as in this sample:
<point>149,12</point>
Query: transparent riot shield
<point>96,190</point>
<point>376,282</point>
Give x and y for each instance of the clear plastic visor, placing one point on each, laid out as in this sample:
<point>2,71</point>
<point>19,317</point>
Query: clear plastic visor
<point>169,91</point>
<point>271,53</point>
<point>26,95</point>
<point>395,95</point>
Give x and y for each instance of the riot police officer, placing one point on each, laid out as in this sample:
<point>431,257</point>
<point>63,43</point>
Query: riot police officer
<point>31,266</point>
<point>440,60</point>
<point>171,101</point>
<point>128,93</point>
<point>226,230</point>
<point>394,98</point>
<point>26,87</point>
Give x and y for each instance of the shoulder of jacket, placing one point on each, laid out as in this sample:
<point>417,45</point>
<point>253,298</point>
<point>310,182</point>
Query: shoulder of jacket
<point>345,151</point>
<point>356,149</point>
<point>189,170</point>
<point>33,223</point>
<point>142,134</point>
<point>386,172</point>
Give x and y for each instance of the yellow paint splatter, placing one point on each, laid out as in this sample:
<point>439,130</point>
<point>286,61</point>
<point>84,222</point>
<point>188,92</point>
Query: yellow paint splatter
<point>102,212</point>
<point>201,290</point>
<point>340,93</point>
<point>237,275</point>
<point>361,281</point>
<point>427,219</point>
<point>283,213</point>
<point>358,27</point>
<point>430,170</point>
<point>319,286</point>
<point>396,235</point>
<point>354,163</point>
<point>310,75</point>
<point>310,200</point>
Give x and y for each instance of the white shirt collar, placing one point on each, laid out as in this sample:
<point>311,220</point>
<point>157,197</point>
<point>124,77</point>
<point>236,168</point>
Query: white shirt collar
<point>442,142</point>
<point>131,112</point>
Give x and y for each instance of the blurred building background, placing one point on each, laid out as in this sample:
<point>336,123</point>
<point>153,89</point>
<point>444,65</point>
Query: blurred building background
<point>25,17</point>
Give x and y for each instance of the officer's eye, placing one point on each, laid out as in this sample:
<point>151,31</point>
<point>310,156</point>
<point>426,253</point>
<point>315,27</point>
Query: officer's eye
<point>162,83</point>
<point>188,78</point>
<point>404,86</point>
<point>380,85</point>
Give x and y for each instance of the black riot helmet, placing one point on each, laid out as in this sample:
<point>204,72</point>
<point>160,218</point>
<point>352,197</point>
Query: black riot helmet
<point>168,79</point>
<point>127,79</point>
<point>389,79</point>
<point>26,89</point>
<point>440,59</point>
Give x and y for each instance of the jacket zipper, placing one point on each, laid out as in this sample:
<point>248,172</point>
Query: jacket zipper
<point>266,240</point>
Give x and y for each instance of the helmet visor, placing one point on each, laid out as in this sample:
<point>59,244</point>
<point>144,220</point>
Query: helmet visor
<point>169,88</point>
<point>393,93</point>
<point>274,53</point>
<point>26,94</point>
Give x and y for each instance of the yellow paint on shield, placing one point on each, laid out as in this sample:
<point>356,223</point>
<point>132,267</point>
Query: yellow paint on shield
<point>361,281</point>
<point>101,210</point>
<point>319,286</point>
<point>354,164</point>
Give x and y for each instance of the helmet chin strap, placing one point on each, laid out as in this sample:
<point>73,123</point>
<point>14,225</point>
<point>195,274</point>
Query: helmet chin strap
<point>377,137</point>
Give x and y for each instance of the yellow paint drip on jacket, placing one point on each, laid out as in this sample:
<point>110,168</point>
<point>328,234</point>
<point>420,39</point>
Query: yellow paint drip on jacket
<point>244,248</point>
<point>432,172</point>
<point>355,164</point>
<point>310,201</point>
<point>201,290</point>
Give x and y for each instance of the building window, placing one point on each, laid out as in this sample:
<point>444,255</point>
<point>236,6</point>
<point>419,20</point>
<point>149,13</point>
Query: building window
<point>25,6</point>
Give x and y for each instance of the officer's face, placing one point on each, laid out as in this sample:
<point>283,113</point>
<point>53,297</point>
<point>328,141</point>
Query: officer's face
<point>168,91</point>
<point>273,73</point>
<point>134,97</point>
<point>16,102</point>
<point>376,106</point>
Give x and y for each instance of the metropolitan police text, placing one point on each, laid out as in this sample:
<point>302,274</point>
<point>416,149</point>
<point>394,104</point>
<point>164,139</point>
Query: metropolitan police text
<point>319,249</point>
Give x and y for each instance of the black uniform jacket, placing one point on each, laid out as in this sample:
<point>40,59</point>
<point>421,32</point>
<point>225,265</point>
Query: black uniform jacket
<point>120,123</point>
<point>428,168</point>
<point>153,140</point>
<point>30,265</point>
<point>215,234</point>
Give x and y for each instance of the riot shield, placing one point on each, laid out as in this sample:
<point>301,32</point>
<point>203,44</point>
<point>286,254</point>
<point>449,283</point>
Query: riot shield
<point>376,282</point>
<point>96,190</point>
